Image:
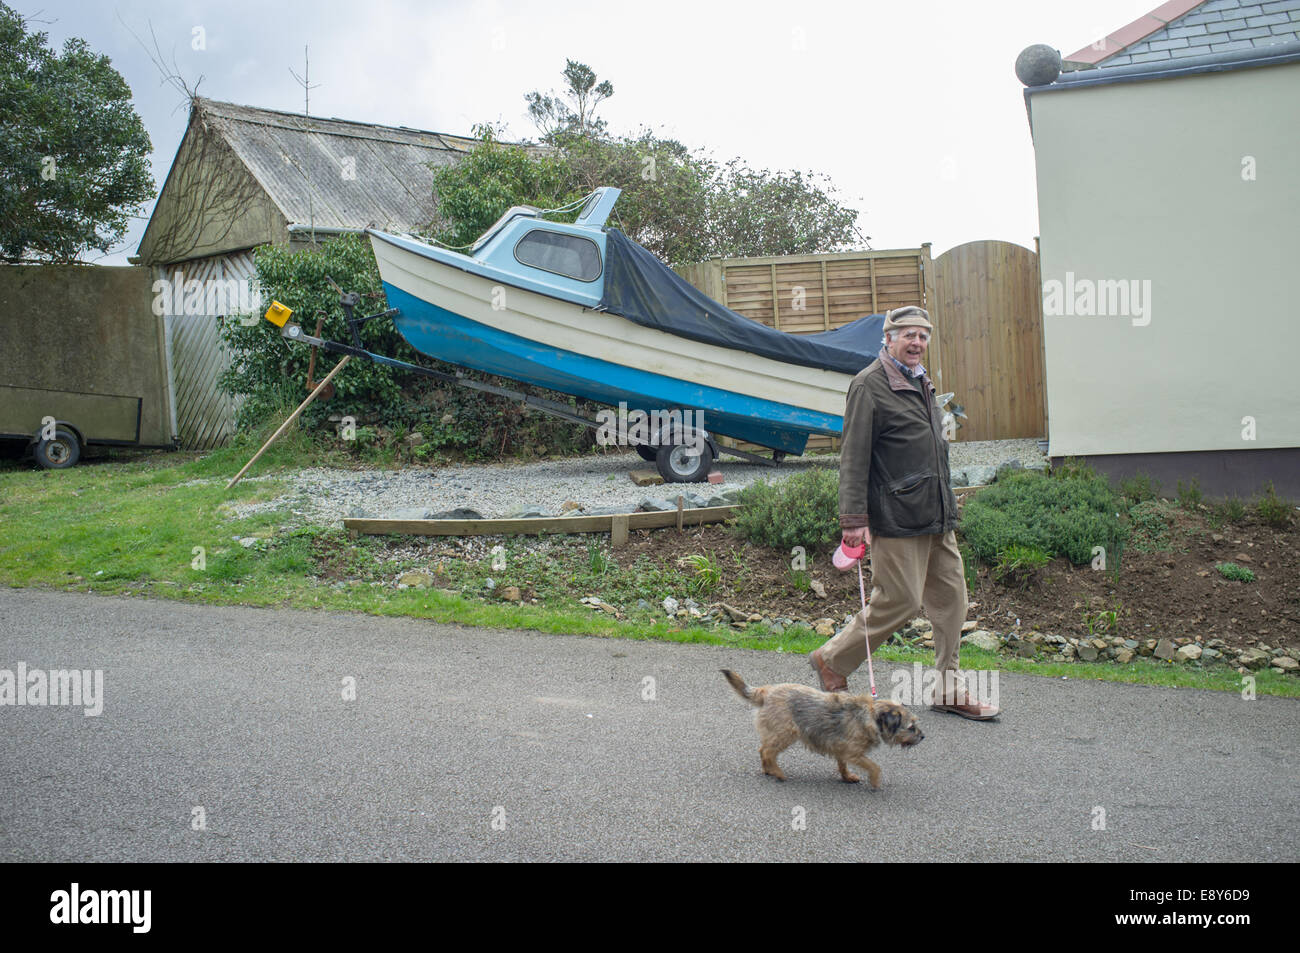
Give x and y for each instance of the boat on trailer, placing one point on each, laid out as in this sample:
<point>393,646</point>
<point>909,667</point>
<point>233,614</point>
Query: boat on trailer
<point>581,309</point>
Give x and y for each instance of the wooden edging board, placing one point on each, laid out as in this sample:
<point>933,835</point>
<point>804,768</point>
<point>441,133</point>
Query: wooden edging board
<point>536,525</point>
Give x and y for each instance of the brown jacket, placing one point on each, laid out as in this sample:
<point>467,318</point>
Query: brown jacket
<point>894,475</point>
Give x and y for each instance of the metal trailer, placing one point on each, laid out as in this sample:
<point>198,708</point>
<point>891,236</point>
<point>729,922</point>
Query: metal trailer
<point>57,425</point>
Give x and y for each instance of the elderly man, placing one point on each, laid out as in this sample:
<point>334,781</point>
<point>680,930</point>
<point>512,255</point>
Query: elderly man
<point>895,497</point>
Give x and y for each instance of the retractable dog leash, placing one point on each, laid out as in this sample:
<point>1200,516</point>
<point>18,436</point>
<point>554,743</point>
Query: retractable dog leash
<point>842,560</point>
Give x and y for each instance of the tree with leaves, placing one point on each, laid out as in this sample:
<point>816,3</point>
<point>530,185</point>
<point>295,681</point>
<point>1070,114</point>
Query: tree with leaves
<point>571,114</point>
<point>73,152</point>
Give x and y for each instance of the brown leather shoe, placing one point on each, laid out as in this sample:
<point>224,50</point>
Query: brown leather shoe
<point>967,707</point>
<point>831,680</point>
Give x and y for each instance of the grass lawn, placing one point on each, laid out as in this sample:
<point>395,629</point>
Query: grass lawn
<point>160,526</point>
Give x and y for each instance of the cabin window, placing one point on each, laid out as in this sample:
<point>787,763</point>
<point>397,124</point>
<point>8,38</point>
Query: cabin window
<point>562,254</point>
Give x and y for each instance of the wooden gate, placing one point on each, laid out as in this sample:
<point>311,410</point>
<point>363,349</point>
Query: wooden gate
<point>989,328</point>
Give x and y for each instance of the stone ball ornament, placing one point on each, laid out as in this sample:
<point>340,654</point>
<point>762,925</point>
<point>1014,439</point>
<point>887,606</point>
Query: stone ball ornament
<point>1038,65</point>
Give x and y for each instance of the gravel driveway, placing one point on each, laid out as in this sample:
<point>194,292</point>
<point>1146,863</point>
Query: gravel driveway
<point>327,496</point>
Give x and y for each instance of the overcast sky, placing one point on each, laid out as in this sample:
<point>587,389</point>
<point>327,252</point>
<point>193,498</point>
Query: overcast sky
<point>912,109</point>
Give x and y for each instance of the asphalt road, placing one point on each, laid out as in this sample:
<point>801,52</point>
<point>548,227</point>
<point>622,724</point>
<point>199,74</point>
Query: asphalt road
<point>478,744</point>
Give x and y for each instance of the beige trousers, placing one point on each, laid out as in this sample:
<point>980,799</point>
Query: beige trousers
<point>907,574</point>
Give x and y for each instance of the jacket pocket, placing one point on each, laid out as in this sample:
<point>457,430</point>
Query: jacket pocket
<point>912,502</point>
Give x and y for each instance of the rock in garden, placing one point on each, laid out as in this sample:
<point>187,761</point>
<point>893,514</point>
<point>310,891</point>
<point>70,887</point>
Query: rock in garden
<point>817,588</point>
<point>824,627</point>
<point>980,476</point>
<point>652,505</point>
<point>1286,663</point>
<point>670,605</point>
<point>1252,658</point>
<point>1087,653</point>
<point>983,639</point>
<point>737,615</point>
<point>417,579</point>
<point>1164,649</point>
<point>511,594</point>
<point>459,513</point>
<point>1189,653</point>
<point>527,513</point>
<point>1124,655</point>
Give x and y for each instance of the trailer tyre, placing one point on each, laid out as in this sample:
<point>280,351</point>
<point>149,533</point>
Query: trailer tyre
<point>59,453</point>
<point>682,463</point>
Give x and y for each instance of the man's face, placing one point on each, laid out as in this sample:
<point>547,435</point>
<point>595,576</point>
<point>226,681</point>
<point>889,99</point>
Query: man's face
<point>909,344</point>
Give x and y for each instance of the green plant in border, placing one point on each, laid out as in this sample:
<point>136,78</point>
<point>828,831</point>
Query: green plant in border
<point>707,573</point>
<point>800,511</point>
<point>1234,572</point>
<point>1020,565</point>
<point>1273,511</point>
<point>1189,497</point>
<point>1068,514</point>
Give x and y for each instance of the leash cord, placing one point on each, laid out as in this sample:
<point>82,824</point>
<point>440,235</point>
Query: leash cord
<point>862,591</point>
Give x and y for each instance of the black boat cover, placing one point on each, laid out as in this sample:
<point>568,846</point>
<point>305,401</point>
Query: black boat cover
<point>641,288</point>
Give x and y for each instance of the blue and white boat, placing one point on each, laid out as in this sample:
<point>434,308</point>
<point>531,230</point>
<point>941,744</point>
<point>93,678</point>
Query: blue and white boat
<point>581,309</point>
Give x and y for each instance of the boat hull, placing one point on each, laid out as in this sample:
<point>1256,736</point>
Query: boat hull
<point>454,315</point>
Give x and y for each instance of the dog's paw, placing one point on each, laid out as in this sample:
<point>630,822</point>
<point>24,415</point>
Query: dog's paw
<point>851,778</point>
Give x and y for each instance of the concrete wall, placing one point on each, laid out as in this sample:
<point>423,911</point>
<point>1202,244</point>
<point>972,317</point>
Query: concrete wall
<point>85,329</point>
<point>1191,188</point>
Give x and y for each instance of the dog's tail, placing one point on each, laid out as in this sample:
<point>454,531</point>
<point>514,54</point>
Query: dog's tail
<point>751,695</point>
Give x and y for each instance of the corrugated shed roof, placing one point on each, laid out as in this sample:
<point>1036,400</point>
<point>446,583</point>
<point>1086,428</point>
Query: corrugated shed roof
<point>334,173</point>
<point>1182,29</point>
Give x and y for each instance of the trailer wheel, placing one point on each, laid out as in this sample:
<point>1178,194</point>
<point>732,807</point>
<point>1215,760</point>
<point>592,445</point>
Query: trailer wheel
<point>59,453</point>
<point>682,463</point>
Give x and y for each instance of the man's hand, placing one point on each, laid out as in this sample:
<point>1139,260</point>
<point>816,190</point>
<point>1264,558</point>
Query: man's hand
<point>856,537</point>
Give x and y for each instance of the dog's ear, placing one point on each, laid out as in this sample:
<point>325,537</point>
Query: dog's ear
<point>889,721</point>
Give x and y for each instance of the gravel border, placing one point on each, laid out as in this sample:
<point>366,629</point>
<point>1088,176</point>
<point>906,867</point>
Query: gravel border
<point>327,496</point>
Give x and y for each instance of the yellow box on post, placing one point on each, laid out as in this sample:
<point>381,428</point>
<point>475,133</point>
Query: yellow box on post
<point>278,314</point>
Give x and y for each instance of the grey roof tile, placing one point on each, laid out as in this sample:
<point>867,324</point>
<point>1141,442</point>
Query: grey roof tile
<point>1148,57</point>
<point>1168,44</point>
<point>1223,26</point>
<point>1250,11</point>
<point>1177,32</point>
<point>1279,5</point>
<point>1200,42</point>
<point>1250,34</point>
<point>1232,45</point>
<point>337,173</point>
<point>1279,17</point>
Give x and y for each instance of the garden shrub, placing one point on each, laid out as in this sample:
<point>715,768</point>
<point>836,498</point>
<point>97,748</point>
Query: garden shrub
<point>1272,511</point>
<point>1066,514</point>
<point>800,511</point>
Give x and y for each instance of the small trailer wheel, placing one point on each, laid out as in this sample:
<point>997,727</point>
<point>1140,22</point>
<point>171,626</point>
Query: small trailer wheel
<point>59,453</point>
<point>683,463</point>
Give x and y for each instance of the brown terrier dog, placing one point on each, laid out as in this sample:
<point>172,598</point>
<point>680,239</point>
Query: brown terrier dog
<point>843,726</point>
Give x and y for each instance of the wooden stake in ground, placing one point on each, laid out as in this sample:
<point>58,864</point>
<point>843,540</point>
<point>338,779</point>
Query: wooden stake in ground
<point>292,417</point>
